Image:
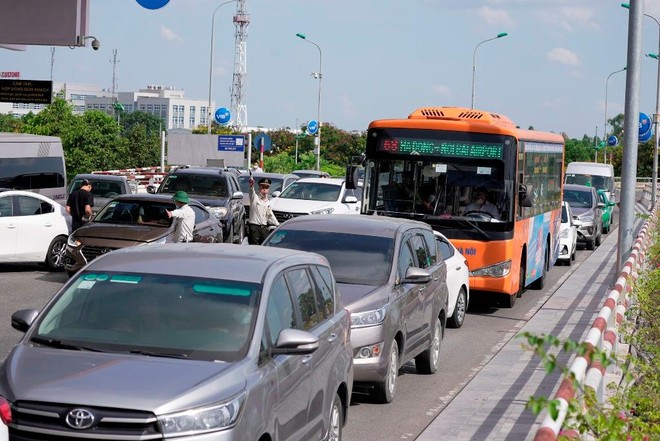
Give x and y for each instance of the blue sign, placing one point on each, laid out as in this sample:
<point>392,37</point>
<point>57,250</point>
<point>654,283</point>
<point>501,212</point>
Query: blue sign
<point>312,126</point>
<point>612,141</point>
<point>231,143</point>
<point>646,136</point>
<point>222,115</point>
<point>262,138</point>
<point>153,4</point>
<point>644,123</point>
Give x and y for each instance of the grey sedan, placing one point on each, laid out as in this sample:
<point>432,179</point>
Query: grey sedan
<point>393,280</point>
<point>186,341</point>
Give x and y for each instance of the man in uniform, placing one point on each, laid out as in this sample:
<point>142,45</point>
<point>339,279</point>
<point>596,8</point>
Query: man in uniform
<point>185,217</point>
<point>261,215</point>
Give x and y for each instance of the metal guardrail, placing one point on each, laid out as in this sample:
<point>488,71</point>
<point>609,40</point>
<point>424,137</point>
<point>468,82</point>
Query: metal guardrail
<point>602,335</point>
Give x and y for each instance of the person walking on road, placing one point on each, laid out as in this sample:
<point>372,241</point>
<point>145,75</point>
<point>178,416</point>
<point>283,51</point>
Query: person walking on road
<point>79,205</point>
<point>185,217</point>
<point>261,215</point>
<point>256,169</point>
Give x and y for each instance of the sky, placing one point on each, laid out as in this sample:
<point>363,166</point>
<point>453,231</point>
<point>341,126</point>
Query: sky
<point>380,58</point>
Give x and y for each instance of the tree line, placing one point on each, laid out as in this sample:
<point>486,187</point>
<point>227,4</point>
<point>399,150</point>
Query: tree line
<point>96,140</point>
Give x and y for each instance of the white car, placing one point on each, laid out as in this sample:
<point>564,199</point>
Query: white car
<point>567,235</point>
<point>316,196</point>
<point>458,283</point>
<point>33,228</point>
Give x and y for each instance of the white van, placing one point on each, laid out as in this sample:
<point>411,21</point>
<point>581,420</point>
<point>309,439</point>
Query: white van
<point>599,176</point>
<point>33,163</point>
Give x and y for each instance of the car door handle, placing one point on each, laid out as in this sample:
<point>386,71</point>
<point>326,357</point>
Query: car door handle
<point>11,226</point>
<point>332,337</point>
<point>458,268</point>
<point>307,359</point>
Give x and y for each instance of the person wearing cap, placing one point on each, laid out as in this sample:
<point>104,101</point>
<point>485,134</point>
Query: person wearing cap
<point>79,204</point>
<point>185,217</point>
<point>261,215</point>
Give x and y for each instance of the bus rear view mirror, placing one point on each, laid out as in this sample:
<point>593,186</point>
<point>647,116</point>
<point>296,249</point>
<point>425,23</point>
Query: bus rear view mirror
<point>352,177</point>
<point>525,199</point>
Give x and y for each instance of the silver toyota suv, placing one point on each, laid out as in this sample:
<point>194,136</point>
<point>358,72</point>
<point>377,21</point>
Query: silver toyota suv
<point>187,341</point>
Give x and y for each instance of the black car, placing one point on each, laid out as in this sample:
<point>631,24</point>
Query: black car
<point>217,189</point>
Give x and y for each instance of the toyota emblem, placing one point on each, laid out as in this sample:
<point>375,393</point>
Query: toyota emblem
<point>105,250</point>
<point>287,216</point>
<point>80,419</point>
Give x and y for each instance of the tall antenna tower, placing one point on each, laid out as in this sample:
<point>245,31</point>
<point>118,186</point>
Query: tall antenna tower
<point>114,62</point>
<point>238,105</point>
<point>52,61</point>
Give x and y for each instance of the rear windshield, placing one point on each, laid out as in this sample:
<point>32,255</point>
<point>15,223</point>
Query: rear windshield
<point>355,259</point>
<point>312,191</point>
<point>244,182</point>
<point>599,182</point>
<point>578,199</point>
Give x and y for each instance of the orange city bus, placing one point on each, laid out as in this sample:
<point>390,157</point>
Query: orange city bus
<point>429,166</point>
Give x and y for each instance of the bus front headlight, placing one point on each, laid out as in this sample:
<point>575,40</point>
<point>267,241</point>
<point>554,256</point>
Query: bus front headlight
<point>501,269</point>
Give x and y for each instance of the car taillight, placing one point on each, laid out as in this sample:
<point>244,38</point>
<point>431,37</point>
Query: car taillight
<point>5,411</point>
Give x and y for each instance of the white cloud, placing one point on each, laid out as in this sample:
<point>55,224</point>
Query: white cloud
<point>495,16</point>
<point>563,56</point>
<point>169,35</point>
<point>442,90</point>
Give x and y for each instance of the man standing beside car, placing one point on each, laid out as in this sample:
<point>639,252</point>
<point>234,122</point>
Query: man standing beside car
<point>185,217</point>
<point>79,204</point>
<point>261,215</point>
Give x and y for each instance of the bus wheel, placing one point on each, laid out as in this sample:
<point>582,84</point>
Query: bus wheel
<point>540,282</point>
<point>508,300</point>
<point>521,280</point>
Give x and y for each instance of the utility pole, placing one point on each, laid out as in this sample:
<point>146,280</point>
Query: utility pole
<point>114,62</point>
<point>596,145</point>
<point>52,61</point>
<point>239,83</point>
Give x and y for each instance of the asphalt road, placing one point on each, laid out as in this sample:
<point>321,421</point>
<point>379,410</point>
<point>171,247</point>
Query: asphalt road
<point>419,398</point>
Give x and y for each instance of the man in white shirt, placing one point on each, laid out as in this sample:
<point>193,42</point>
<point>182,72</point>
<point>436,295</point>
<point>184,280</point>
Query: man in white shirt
<point>185,217</point>
<point>256,168</point>
<point>261,215</point>
<point>481,204</point>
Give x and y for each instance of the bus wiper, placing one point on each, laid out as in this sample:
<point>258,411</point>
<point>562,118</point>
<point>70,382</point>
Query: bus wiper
<point>476,227</point>
<point>157,354</point>
<point>54,343</point>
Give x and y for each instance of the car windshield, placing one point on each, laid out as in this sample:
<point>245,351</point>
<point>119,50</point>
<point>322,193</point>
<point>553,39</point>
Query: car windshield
<point>354,258</point>
<point>154,314</point>
<point>136,213</point>
<point>203,185</point>
<point>244,182</point>
<point>312,191</point>
<point>578,198</point>
<point>101,189</point>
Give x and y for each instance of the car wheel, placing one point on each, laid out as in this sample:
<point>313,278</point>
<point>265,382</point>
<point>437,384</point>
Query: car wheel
<point>521,283</point>
<point>55,254</point>
<point>573,255</point>
<point>591,244</point>
<point>230,236</point>
<point>598,239</point>
<point>336,422</point>
<point>456,320</point>
<point>606,229</point>
<point>540,282</point>
<point>427,362</point>
<point>385,390</point>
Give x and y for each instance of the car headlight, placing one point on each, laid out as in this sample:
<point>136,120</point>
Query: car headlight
<point>202,420</point>
<point>218,212</point>
<point>589,217</point>
<point>73,242</point>
<point>324,211</point>
<point>563,234</point>
<point>498,270</point>
<point>368,318</point>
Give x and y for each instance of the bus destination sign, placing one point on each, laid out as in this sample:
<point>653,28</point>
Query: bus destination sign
<point>456,149</point>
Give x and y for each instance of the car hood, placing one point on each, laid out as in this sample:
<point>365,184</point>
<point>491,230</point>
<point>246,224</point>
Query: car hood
<point>358,298</point>
<point>209,201</point>
<point>299,205</point>
<point>134,233</point>
<point>158,385</point>
<point>581,211</point>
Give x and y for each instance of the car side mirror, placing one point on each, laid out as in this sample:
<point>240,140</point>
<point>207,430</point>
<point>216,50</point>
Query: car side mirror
<point>237,195</point>
<point>416,275</point>
<point>600,205</point>
<point>276,193</point>
<point>23,319</point>
<point>577,223</point>
<point>151,189</point>
<point>295,341</point>
<point>350,200</point>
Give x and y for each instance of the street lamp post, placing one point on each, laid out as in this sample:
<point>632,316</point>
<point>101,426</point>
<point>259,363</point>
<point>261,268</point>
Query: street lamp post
<point>605,125</point>
<point>474,61</point>
<point>209,110</point>
<point>319,76</point>
<point>656,117</point>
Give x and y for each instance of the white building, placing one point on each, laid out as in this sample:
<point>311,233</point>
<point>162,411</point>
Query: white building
<point>165,102</point>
